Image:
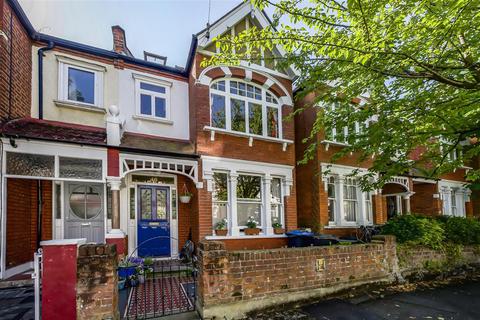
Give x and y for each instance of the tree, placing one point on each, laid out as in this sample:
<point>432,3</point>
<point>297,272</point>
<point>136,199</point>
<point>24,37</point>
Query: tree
<point>416,63</point>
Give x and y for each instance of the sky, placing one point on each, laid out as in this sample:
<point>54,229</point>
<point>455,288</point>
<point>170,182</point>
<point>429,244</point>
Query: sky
<point>163,27</point>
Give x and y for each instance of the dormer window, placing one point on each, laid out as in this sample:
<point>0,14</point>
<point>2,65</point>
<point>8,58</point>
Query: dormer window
<point>152,98</point>
<point>245,108</point>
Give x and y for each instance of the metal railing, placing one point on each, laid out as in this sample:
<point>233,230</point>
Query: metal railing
<point>36,276</point>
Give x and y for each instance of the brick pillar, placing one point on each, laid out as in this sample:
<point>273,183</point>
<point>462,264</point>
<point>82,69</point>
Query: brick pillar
<point>97,282</point>
<point>469,209</point>
<point>116,235</point>
<point>212,276</point>
<point>59,277</point>
<point>379,209</point>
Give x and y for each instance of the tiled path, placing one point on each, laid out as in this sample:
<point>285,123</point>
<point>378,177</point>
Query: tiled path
<point>17,303</point>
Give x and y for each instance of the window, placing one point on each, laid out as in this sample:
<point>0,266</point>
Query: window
<point>245,108</point>
<point>350,199</point>
<point>249,199</point>
<point>25,164</point>
<point>131,203</point>
<point>332,201</point>
<point>276,200</point>
<point>453,203</point>
<point>220,197</point>
<point>153,100</point>
<point>342,134</point>
<point>80,83</point>
<point>80,168</point>
<point>368,207</point>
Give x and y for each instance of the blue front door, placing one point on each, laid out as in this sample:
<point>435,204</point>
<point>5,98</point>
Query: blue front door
<point>153,221</point>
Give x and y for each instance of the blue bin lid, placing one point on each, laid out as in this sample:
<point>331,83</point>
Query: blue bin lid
<point>302,233</point>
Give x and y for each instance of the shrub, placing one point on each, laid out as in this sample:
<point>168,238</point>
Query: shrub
<point>462,230</point>
<point>413,229</point>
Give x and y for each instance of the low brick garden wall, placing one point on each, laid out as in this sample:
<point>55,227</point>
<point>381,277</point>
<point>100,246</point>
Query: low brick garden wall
<point>229,279</point>
<point>424,260</point>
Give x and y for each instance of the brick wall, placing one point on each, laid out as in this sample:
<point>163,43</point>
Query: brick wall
<point>186,211</point>
<point>22,219</point>
<point>97,282</point>
<point>15,72</point>
<point>230,279</point>
<point>417,259</point>
<point>423,202</point>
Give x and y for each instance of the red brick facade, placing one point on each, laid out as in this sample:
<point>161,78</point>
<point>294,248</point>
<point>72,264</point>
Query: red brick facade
<point>22,205</point>
<point>15,66</point>
<point>234,147</point>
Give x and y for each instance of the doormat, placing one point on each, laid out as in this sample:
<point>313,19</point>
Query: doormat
<point>159,297</point>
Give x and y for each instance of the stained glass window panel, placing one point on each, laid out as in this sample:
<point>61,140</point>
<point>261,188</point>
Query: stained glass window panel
<point>24,164</point>
<point>78,168</point>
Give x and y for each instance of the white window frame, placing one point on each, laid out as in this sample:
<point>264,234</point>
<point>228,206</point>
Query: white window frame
<point>332,180</point>
<point>138,92</point>
<point>278,203</point>
<point>261,202</point>
<point>222,202</point>
<point>351,182</point>
<point>228,117</point>
<point>447,189</point>
<point>64,65</point>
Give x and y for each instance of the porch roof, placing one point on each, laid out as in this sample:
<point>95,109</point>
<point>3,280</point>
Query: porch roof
<point>37,129</point>
<point>156,144</point>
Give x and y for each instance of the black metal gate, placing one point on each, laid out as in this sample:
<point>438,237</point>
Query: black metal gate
<point>167,288</point>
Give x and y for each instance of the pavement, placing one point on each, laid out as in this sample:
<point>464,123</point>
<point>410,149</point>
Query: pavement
<point>17,303</point>
<point>454,301</point>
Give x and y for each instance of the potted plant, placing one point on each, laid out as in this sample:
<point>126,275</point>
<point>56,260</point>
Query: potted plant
<point>186,197</point>
<point>141,275</point>
<point>221,227</point>
<point>251,229</point>
<point>128,267</point>
<point>277,227</point>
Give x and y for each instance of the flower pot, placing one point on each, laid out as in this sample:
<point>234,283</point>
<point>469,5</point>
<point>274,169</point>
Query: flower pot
<point>222,232</point>
<point>141,278</point>
<point>185,199</point>
<point>278,230</point>
<point>121,284</point>
<point>125,272</point>
<point>251,231</point>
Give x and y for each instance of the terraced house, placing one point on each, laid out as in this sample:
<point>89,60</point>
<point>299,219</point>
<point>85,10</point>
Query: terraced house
<point>102,145</point>
<point>108,147</point>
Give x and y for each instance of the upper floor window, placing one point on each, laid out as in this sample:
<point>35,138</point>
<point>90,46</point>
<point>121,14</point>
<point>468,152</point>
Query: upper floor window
<point>245,108</point>
<point>152,98</point>
<point>80,84</point>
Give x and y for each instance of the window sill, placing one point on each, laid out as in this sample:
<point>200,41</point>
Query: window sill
<point>260,236</point>
<point>347,226</point>
<point>334,143</point>
<point>79,106</point>
<point>157,120</point>
<point>250,137</point>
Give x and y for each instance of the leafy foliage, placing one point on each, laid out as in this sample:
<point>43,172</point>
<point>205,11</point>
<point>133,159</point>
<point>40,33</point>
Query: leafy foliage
<point>413,229</point>
<point>462,231</point>
<point>416,63</point>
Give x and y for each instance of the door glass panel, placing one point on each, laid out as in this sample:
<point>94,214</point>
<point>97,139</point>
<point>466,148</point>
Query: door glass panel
<point>93,203</point>
<point>161,204</point>
<point>132,203</point>
<point>146,204</point>
<point>85,202</point>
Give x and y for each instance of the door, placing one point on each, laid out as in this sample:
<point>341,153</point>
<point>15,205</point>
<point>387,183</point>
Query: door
<point>84,212</point>
<point>153,230</point>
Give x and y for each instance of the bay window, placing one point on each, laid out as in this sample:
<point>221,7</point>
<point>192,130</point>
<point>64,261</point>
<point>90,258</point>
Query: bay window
<point>244,108</point>
<point>347,204</point>
<point>240,196</point>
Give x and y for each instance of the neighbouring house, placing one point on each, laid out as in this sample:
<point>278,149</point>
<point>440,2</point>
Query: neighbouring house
<point>331,201</point>
<point>108,147</point>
